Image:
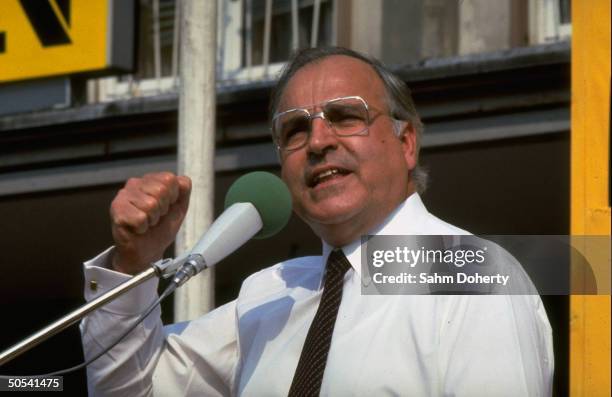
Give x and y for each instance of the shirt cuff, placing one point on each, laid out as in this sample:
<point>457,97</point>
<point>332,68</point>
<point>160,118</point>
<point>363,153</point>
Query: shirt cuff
<point>99,279</point>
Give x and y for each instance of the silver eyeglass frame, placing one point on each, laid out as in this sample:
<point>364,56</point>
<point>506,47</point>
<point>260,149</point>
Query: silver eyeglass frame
<point>321,115</point>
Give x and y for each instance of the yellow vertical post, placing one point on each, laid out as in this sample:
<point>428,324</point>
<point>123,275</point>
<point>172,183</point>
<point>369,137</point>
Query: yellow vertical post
<point>590,205</point>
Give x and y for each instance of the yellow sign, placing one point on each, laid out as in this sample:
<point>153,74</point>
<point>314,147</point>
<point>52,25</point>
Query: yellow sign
<point>590,189</point>
<point>41,38</point>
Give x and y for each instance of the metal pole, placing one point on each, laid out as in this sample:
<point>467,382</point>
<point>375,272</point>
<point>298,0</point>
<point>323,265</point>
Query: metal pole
<point>196,142</point>
<point>295,25</point>
<point>266,40</point>
<point>314,33</point>
<point>156,43</point>
<point>74,316</point>
<point>175,42</point>
<point>249,34</point>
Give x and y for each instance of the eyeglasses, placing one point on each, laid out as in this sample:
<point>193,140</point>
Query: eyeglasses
<point>346,116</point>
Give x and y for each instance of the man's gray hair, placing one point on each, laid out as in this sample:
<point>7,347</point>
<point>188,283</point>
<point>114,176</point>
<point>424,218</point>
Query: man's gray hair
<point>399,98</point>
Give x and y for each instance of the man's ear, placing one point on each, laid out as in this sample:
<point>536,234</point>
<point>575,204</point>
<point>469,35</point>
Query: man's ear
<point>407,134</point>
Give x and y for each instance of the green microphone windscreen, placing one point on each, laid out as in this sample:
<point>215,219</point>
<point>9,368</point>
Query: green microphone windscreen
<point>270,196</point>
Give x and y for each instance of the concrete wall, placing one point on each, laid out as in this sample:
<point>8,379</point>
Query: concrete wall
<point>400,32</point>
<point>484,25</point>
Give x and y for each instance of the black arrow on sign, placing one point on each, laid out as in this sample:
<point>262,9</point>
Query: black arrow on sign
<point>2,42</point>
<point>46,23</point>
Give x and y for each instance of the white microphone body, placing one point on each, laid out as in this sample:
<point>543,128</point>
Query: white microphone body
<point>236,225</point>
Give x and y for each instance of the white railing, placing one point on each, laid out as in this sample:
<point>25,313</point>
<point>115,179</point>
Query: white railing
<point>252,44</point>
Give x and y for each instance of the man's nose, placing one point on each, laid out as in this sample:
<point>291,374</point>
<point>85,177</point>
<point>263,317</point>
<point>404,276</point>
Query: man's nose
<point>322,136</point>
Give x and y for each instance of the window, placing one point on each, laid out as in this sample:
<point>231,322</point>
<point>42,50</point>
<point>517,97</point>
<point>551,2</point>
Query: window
<point>255,38</point>
<point>258,47</point>
<point>549,20</point>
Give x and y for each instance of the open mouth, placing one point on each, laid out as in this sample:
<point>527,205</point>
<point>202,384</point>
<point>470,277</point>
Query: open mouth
<point>326,175</point>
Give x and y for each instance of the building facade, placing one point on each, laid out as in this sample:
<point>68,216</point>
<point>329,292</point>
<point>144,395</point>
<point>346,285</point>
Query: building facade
<point>490,81</point>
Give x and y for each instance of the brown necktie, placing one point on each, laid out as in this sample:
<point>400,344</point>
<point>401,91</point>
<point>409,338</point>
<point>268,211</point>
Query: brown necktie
<point>309,372</point>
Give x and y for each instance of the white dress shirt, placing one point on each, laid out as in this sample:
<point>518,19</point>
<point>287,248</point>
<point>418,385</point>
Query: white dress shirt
<point>383,345</point>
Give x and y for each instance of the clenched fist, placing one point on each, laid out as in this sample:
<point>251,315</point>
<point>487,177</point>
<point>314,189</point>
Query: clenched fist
<point>146,216</point>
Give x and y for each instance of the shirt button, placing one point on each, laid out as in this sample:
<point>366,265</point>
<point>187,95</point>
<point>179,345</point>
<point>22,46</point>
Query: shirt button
<point>93,285</point>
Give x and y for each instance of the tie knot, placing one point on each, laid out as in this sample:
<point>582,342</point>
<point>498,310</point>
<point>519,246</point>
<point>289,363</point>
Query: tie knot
<point>337,263</point>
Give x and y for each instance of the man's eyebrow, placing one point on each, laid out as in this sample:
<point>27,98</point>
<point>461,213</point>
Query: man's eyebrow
<point>319,103</point>
<point>303,106</point>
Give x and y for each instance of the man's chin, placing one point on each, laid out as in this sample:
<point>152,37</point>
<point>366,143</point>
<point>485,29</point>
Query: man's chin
<point>329,216</point>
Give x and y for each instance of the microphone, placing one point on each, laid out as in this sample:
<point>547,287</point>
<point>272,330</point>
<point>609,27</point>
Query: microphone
<point>257,205</point>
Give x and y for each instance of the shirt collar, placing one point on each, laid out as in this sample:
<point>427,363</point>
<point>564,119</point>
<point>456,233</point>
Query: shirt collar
<point>407,218</point>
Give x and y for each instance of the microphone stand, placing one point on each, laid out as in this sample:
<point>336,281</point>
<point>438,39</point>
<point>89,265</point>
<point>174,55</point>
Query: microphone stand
<point>163,268</point>
<point>181,269</point>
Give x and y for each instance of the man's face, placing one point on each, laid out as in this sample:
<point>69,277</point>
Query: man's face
<point>369,173</point>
